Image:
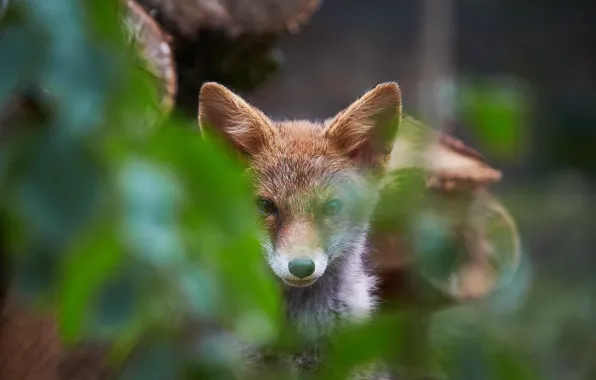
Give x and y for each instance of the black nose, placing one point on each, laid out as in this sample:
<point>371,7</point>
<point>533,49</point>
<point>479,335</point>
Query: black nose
<point>301,268</point>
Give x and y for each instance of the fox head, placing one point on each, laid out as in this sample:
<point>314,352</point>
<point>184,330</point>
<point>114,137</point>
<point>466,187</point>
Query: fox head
<point>316,184</point>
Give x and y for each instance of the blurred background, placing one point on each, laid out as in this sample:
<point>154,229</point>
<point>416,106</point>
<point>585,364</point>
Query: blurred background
<point>113,226</point>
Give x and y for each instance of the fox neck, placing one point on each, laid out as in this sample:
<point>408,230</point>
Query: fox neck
<point>342,295</point>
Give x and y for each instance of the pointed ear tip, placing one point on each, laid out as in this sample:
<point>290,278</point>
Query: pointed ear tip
<point>390,89</point>
<point>210,87</point>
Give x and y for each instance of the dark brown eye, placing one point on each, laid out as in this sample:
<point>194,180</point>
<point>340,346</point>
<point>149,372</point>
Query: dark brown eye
<point>332,207</point>
<point>266,207</point>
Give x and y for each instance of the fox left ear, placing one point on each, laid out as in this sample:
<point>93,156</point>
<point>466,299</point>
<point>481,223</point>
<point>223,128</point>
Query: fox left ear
<point>366,130</point>
<point>244,126</point>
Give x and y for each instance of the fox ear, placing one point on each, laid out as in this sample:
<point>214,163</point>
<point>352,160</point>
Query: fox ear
<point>247,128</point>
<point>366,130</point>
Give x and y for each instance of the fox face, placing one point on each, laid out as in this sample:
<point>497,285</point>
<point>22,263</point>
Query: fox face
<point>316,184</point>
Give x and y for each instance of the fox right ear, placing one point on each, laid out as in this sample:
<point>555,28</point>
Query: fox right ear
<point>247,128</point>
<point>366,130</point>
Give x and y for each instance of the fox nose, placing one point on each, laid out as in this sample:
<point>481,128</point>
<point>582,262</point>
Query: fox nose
<point>301,268</point>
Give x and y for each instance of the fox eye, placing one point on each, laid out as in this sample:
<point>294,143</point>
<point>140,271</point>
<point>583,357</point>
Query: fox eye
<point>266,206</point>
<point>332,207</point>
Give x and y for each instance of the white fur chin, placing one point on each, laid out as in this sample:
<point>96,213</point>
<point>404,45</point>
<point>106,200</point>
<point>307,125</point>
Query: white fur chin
<point>299,284</point>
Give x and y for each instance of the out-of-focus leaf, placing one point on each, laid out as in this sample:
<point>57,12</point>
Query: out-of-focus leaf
<point>250,287</point>
<point>497,112</point>
<point>359,346</point>
<point>200,290</point>
<point>115,303</point>
<point>17,47</point>
<point>149,192</point>
<point>36,270</point>
<point>82,97</point>
<point>507,364</point>
<point>154,361</point>
<point>218,353</point>
<point>150,213</point>
<point>213,179</point>
<point>159,246</point>
<point>103,20</point>
<point>91,261</point>
<point>62,17</point>
<point>437,250</point>
<point>220,220</point>
<point>80,72</point>
<point>471,364</point>
<point>5,159</point>
<point>58,191</point>
<point>401,196</point>
<point>3,7</point>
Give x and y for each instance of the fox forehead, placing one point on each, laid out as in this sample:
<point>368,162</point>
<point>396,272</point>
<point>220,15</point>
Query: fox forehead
<point>299,161</point>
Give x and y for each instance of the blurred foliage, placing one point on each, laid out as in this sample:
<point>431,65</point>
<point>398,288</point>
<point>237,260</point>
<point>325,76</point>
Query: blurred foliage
<point>496,109</point>
<point>141,234</point>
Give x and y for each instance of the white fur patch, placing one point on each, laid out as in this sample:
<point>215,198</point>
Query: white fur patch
<point>357,286</point>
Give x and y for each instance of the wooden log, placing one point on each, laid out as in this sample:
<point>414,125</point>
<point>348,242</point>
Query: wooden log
<point>226,41</point>
<point>155,51</point>
<point>235,17</point>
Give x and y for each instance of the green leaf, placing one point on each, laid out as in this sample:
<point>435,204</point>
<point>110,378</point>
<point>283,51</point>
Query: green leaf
<point>154,361</point>
<point>36,270</point>
<point>496,111</point>
<point>218,189</point>
<point>91,261</point>
<point>471,360</point>
<point>217,352</point>
<point>507,364</point>
<point>361,345</point>
<point>250,290</point>
<point>401,196</point>
<point>200,289</point>
<point>80,72</point>
<point>437,250</point>
<point>150,213</point>
<point>3,7</point>
<point>59,187</point>
<point>220,224</point>
<point>17,66</point>
<point>82,98</point>
<point>116,303</point>
<point>6,159</point>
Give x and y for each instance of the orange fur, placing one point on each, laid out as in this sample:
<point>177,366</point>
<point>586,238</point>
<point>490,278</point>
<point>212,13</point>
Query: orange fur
<point>370,121</point>
<point>244,125</point>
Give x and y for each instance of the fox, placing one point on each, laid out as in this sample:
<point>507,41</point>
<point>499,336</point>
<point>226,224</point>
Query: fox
<point>316,185</point>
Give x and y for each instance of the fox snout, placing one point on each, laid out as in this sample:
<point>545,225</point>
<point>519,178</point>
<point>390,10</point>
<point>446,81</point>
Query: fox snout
<point>298,258</point>
<point>299,269</point>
